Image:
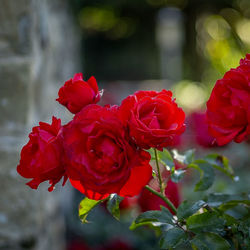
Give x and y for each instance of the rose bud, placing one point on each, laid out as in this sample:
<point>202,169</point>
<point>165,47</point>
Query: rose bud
<point>228,108</point>
<point>153,118</point>
<point>41,157</point>
<point>101,159</point>
<point>76,93</point>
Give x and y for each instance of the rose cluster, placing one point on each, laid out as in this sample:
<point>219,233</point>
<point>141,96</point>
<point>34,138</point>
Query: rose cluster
<point>102,149</point>
<point>228,108</point>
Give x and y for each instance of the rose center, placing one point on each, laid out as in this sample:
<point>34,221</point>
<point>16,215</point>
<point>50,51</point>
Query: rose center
<point>106,152</point>
<point>149,116</point>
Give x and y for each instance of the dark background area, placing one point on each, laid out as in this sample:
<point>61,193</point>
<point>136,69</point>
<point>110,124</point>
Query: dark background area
<point>119,37</point>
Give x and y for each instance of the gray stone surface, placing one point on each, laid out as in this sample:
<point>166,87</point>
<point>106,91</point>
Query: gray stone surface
<point>14,90</point>
<point>15,27</point>
<point>39,48</point>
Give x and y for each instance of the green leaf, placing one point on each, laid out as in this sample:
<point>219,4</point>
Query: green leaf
<point>187,209</point>
<point>241,204</point>
<point>186,158</point>
<point>221,163</point>
<point>189,156</point>
<point>113,205</point>
<point>85,206</point>
<point>244,227</point>
<point>167,216</point>
<point>166,158</point>
<point>236,206</point>
<point>238,211</point>
<point>207,176</point>
<point>218,199</point>
<point>152,153</point>
<point>241,234</point>
<point>229,220</point>
<point>172,238</point>
<point>150,217</point>
<point>208,221</point>
<point>177,174</point>
<point>210,241</point>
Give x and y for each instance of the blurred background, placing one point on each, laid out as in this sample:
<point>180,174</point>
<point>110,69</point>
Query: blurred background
<point>182,45</point>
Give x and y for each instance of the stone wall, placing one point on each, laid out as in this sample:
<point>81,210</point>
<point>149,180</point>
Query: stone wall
<point>39,48</point>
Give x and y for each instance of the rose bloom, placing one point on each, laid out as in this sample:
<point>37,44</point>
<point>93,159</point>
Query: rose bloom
<point>228,108</point>
<point>153,118</point>
<point>199,129</point>
<point>101,160</point>
<point>41,157</point>
<point>77,93</point>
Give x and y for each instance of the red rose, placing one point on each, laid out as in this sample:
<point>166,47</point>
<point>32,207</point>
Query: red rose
<point>128,202</point>
<point>154,119</point>
<point>101,159</point>
<point>76,93</point>
<point>199,128</point>
<point>228,108</point>
<point>41,156</point>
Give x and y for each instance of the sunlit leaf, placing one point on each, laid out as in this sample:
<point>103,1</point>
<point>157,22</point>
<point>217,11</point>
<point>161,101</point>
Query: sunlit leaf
<point>85,206</point>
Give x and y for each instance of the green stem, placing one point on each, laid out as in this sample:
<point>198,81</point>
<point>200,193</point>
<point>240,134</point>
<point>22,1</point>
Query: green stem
<point>164,198</point>
<point>159,173</point>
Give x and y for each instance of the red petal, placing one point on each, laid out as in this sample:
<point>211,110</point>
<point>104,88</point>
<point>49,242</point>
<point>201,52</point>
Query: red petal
<point>78,77</point>
<point>139,177</point>
<point>89,193</point>
<point>93,84</point>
